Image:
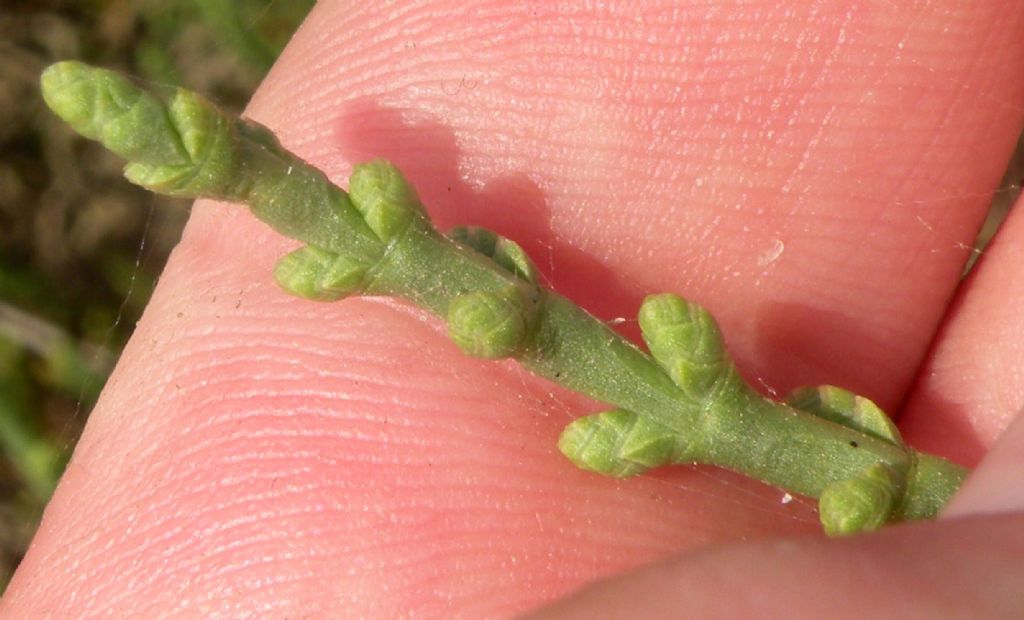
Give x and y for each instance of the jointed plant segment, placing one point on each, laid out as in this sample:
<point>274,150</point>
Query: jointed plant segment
<point>682,403</point>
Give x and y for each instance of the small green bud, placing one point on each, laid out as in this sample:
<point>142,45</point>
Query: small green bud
<point>183,146</point>
<point>260,134</point>
<point>685,340</point>
<point>478,238</point>
<point>508,254</point>
<point>490,325</point>
<point>617,443</point>
<point>860,504</point>
<point>384,198</point>
<point>209,138</point>
<point>317,274</point>
<point>844,407</point>
<point>106,106</point>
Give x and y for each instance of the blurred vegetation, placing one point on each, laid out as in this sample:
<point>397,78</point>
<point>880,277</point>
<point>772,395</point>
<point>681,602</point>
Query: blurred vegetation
<point>80,249</point>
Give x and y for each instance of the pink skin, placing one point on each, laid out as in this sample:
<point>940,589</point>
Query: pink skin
<point>811,172</point>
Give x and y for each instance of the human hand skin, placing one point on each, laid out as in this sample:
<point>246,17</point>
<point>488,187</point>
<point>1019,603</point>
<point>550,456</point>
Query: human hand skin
<point>813,174</point>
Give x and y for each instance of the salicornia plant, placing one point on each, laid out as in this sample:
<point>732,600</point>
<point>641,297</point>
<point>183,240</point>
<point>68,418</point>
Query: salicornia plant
<point>684,402</point>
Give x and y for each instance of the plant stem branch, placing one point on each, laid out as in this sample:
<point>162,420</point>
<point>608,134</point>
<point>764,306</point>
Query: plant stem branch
<point>682,403</point>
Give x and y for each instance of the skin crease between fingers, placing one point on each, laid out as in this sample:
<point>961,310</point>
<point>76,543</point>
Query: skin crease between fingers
<point>811,173</point>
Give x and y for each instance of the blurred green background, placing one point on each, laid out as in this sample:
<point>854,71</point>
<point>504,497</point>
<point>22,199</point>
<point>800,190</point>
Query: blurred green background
<point>80,249</point>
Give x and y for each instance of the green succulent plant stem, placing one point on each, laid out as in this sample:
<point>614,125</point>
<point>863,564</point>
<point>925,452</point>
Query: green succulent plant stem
<point>682,403</point>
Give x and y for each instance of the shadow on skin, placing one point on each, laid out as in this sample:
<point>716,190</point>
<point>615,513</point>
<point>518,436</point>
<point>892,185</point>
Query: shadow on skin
<point>823,347</point>
<point>943,428</point>
<point>817,347</point>
<point>514,205</point>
